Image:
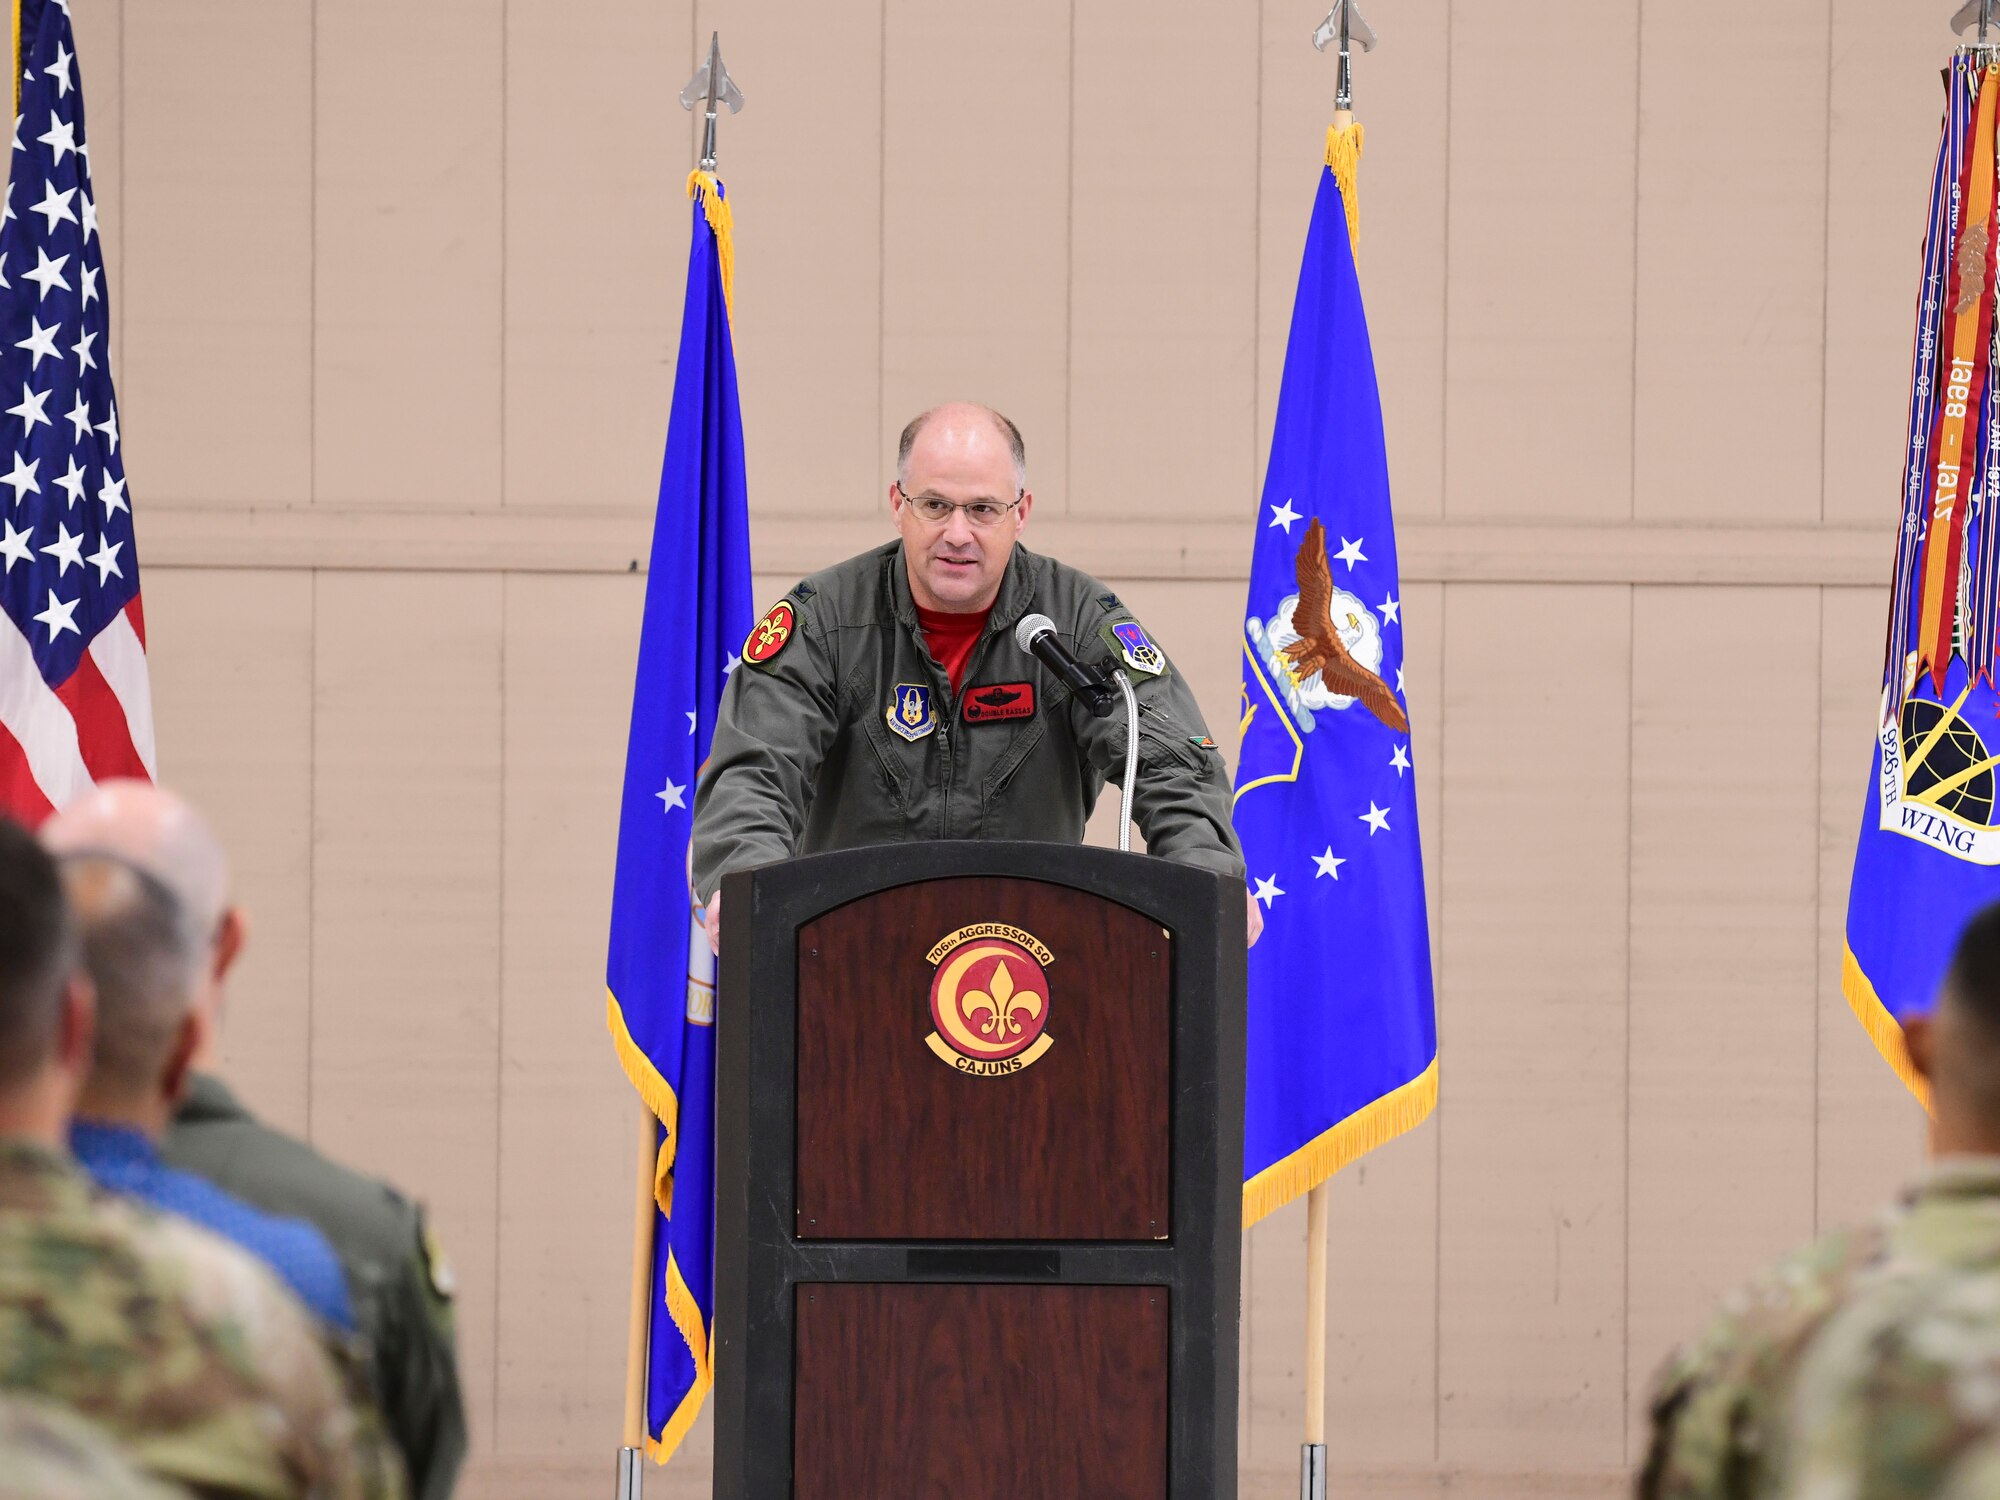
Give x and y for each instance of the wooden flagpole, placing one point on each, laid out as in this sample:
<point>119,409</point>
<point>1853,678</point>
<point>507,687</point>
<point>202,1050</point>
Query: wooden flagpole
<point>631,1458</point>
<point>1312,1472</point>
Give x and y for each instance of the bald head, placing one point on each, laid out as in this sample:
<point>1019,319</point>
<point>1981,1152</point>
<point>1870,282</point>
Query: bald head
<point>961,430</point>
<point>157,832</point>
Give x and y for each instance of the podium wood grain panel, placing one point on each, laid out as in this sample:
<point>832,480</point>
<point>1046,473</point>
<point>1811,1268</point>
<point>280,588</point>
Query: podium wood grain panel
<point>981,1392</point>
<point>895,1144</point>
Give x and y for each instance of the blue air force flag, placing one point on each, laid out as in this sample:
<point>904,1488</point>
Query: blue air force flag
<point>661,973</point>
<point>1342,1050</point>
<point>1929,853</point>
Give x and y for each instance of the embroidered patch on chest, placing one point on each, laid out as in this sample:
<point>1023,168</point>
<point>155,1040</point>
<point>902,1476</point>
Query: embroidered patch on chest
<point>910,713</point>
<point>993,703</point>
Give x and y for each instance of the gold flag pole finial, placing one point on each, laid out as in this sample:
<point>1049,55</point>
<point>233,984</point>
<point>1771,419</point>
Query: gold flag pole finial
<point>1346,25</point>
<point>712,88</point>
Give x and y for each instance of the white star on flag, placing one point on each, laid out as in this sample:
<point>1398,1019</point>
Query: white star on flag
<point>693,719</point>
<point>1350,552</point>
<point>40,342</point>
<point>109,426</point>
<point>61,136</point>
<point>23,478</point>
<point>1328,865</point>
<point>105,560</point>
<point>47,273</point>
<point>55,207</point>
<point>1400,760</point>
<point>32,410</point>
<point>79,417</point>
<point>72,482</point>
<point>60,71</point>
<point>67,550</point>
<point>111,495</point>
<point>1267,891</point>
<point>671,797</point>
<point>731,661</point>
<point>81,349</point>
<point>1392,610</point>
<point>60,616</point>
<point>14,547</point>
<point>1284,515</point>
<point>1377,819</point>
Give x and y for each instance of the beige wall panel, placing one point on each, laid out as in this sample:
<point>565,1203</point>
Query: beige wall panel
<point>804,165</point>
<point>1401,91</point>
<point>1539,353</point>
<point>595,250</point>
<point>1882,141</point>
<point>408,122</point>
<point>567,1117</point>
<point>231,660</point>
<point>1162,406</point>
<point>406,911</point>
<point>976,222</point>
<point>1731,261</point>
<point>217,326</point>
<point>1870,1130</point>
<point>1724,924</point>
<point>1273,1376</point>
<point>1532,1236</point>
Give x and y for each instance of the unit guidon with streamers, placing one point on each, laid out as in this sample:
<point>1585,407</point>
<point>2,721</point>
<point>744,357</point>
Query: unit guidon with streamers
<point>75,706</point>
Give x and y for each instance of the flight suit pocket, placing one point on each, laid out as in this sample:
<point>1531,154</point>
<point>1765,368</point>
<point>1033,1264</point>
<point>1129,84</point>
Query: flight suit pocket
<point>892,776</point>
<point>1163,742</point>
<point>995,786</point>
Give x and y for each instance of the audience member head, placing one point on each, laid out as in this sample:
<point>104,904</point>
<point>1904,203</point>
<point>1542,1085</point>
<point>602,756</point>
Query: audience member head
<point>160,833</point>
<point>1957,1047</point>
<point>146,959</point>
<point>46,1007</point>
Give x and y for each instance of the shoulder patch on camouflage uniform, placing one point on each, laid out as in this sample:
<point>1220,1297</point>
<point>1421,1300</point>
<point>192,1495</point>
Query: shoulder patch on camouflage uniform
<point>1130,644</point>
<point>771,634</point>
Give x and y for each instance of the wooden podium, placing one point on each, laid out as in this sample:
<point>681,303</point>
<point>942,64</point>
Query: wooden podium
<point>979,1114</point>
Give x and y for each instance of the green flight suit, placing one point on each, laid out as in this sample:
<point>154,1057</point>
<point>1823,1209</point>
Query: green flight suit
<point>401,1288</point>
<point>840,729</point>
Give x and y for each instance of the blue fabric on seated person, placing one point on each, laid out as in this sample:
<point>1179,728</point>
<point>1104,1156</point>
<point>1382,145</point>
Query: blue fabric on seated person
<point>123,1160</point>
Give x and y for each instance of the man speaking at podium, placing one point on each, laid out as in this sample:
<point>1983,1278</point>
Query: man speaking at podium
<point>887,699</point>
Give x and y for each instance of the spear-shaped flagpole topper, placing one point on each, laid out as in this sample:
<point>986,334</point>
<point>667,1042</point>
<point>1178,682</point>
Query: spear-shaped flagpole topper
<point>712,87</point>
<point>1347,25</point>
<point>1975,13</point>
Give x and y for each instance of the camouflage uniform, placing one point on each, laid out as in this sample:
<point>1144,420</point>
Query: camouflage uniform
<point>1865,1365</point>
<point>47,1453</point>
<point>178,1344</point>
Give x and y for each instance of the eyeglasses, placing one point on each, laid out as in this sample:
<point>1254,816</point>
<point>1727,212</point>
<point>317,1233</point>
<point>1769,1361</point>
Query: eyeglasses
<point>935,509</point>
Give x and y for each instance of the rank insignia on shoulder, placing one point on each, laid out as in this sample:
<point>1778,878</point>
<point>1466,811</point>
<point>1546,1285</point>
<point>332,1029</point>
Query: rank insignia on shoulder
<point>1135,648</point>
<point>804,591</point>
<point>771,634</point>
<point>994,703</point>
<point>1108,601</point>
<point>910,714</point>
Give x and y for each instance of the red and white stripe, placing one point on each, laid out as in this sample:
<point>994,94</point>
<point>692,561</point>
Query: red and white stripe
<point>56,743</point>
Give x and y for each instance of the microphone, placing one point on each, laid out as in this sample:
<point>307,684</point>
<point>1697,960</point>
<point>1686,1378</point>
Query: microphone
<point>1037,636</point>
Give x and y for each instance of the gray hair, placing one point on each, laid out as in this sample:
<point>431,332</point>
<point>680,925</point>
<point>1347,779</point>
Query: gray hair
<point>1017,449</point>
<point>145,957</point>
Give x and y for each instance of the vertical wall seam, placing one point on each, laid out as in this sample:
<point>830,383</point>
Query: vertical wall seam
<point>1069,282</point>
<point>312,258</point>
<point>1819,892</point>
<point>1438,1115</point>
<point>1631,740</point>
<point>1256,275</point>
<point>1638,166</point>
<point>505,48</point>
<point>876,439</point>
<point>1825,289</point>
<point>500,1009</point>
<point>1444,291</point>
<point>312,839</point>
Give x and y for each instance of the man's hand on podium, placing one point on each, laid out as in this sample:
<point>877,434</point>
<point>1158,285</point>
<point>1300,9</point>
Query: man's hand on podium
<point>1256,919</point>
<point>713,922</point>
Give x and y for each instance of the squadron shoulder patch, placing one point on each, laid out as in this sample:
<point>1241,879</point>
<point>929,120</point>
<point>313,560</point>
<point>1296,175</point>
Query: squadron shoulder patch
<point>997,702</point>
<point>910,713</point>
<point>771,634</point>
<point>1130,643</point>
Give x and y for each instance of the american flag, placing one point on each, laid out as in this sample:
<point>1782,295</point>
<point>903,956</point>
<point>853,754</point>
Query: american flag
<point>75,705</point>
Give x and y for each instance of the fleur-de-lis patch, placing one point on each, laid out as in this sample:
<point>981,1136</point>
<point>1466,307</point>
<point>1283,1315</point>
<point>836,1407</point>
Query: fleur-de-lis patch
<point>990,1000</point>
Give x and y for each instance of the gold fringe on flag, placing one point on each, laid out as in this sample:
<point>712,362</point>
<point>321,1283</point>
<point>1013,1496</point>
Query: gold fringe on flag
<point>1343,154</point>
<point>715,206</point>
<point>1882,1028</point>
<point>1361,1132</point>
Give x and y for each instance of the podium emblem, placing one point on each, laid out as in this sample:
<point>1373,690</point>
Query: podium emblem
<point>990,1000</point>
